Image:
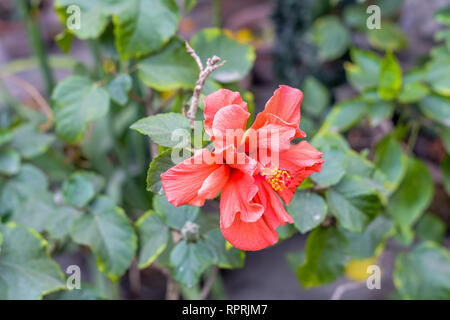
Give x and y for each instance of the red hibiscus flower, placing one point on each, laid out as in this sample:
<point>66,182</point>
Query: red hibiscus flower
<point>252,169</point>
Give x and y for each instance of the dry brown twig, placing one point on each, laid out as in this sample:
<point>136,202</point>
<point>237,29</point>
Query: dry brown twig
<point>211,64</point>
<point>37,97</point>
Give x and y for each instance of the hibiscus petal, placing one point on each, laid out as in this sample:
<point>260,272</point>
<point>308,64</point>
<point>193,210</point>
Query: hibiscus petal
<point>216,101</point>
<point>272,204</point>
<point>285,104</point>
<point>188,181</point>
<point>301,160</point>
<point>229,125</point>
<point>237,197</point>
<point>250,236</point>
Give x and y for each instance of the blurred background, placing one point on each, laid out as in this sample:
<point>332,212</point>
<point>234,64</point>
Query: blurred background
<point>287,52</point>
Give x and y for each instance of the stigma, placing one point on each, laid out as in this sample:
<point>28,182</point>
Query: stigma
<point>277,178</point>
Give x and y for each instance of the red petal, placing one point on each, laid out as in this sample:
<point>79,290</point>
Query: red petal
<point>228,126</point>
<point>301,160</point>
<point>193,180</point>
<point>250,236</point>
<point>217,100</point>
<point>285,104</point>
<point>237,197</point>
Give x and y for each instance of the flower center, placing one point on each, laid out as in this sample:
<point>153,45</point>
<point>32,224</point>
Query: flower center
<point>277,178</point>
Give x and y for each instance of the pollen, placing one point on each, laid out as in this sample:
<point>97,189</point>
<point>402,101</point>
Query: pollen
<point>277,178</point>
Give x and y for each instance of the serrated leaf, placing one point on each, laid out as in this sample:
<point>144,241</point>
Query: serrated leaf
<point>108,232</point>
<point>92,17</point>
<point>316,96</point>
<point>308,210</point>
<point>80,188</point>
<point>354,203</point>
<point>223,257</point>
<point>143,26</point>
<point>390,79</point>
<point>118,88</point>
<point>77,102</point>
<point>174,217</point>
<point>159,165</point>
<point>26,270</point>
<point>60,221</point>
<point>170,69</point>
<point>189,261</point>
<point>166,129</point>
<point>153,236</point>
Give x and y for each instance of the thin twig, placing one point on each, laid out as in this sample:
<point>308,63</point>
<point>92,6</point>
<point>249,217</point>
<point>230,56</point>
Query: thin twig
<point>172,287</point>
<point>135,278</point>
<point>211,65</point>
<point>37,97</point>
<point>209,282</point>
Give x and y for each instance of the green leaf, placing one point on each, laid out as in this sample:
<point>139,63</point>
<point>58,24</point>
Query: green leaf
<point>308,210</point>
<point>189,5</point>
<point>364,72</point>
<point>170,69</point>
<point>326,256</point>
<point>355,16</point>
<point>64,41</point>
<point>333,168</point>
<point>436,108</point>
<point>389,37</point>
<point>143,26</point>
<point>153,237</point>
<point>354,203</point>
<point>423,273</point>
<point>223,256</point>
<point>412,196</point>
<point>80,188</point>
<point>214,42</point>
<point>444,133</point>
<point>92,20</point>
<point>391,160</point>
<point>166,129</point>
<point>9,162</point>
<point>345,115</point>
<point>159,165</point>
<point>438,75</point>
<point>431,228</point>
<point>26,269</point>
<point>443,15</point>
<point>78,101</point>
<point>60,221</point>
<point>413,92</point>
<point>118,88</point>
<point>445,169</point>
<point>189,261</point>
<point>365,244</point>
<point>30,142</point>
<point>29,183</point>
<point>390,80</point>
<point>316,96</point>
<point>331,37</point>
<point>108,232</point>
<point>174,217</point>
<point>380,111</point>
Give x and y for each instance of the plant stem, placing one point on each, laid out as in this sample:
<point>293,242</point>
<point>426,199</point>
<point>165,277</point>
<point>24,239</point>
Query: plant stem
<point>96,54</point>
<point>217,13</point>
<point>36,43</point>
<point>415,128</point>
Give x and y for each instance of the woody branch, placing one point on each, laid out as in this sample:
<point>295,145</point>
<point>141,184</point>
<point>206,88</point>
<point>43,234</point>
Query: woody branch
<point>211,64</point>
